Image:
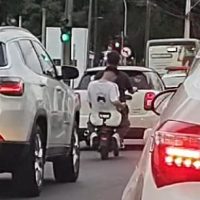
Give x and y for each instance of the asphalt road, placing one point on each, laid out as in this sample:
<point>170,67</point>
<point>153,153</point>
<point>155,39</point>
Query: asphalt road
<point>99,180</point>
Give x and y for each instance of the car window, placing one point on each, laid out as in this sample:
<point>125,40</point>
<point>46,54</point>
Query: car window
<point>15,53</point>
<point>3,58</point>
<point>30,57</point>
<point>174,81</point>
<point>196,64</point>
<point>47,64</point>
<point>139,79</point>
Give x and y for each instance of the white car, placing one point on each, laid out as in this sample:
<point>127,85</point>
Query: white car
<point>175,76</point>
<point>169,167</point>
<point>141,117</point>
<point>173,80</point>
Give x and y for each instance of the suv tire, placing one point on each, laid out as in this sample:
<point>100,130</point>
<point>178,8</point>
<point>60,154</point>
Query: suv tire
<point>66,168</point>
<point>28,178</point>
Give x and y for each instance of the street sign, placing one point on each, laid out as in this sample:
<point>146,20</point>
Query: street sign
<point>126,52</point>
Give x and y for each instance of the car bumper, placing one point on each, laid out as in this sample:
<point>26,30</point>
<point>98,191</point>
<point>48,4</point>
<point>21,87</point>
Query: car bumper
<point>12,154</point>
<point>138,125</point>
<point>137,121</point>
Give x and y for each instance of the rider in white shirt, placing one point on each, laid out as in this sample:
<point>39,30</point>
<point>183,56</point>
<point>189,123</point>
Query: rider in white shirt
<point>103,96</point>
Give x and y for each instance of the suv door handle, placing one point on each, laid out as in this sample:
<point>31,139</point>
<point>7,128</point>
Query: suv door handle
<point>59,89</point>
<point>42,84</point>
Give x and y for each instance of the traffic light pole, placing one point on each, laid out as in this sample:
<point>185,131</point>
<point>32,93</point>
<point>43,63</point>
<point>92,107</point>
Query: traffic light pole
<point>148,21</point>
<point>44,26</point>
<point>66,58</point>
<point>187,19</point>
<point>95,25</point>
<point>89,32</point>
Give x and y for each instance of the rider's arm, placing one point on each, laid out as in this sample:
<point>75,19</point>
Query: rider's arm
<point>118,105</point>
<point>89,96</point>
<point>98,75</point>
<point>129,86</point>
<point>114,97</point>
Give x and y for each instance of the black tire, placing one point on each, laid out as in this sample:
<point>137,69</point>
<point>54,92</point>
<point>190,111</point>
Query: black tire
<point>115,149</point>
<point>28,177</point>
<point>87,142</point>
<point>104,152</point>
<point>65,168</point>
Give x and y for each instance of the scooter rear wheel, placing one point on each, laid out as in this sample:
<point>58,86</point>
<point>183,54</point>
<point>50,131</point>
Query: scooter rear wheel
<point>104,153</point>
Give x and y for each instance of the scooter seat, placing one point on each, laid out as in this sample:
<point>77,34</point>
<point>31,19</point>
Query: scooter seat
<point>110,119</point>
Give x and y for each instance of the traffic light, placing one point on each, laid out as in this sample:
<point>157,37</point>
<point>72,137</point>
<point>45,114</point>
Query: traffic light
<point>66,33</point>
<point>117,45</point>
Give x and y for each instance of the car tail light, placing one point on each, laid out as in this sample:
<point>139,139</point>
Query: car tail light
<point>149,96</point>
<point>11,86</point>
<point>1,138</point>
<point>176,153</point>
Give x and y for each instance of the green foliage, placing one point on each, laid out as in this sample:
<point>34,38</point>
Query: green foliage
<point>163,24</point>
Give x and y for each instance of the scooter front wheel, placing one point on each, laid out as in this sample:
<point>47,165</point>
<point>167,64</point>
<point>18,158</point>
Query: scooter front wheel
<point>104,153</point>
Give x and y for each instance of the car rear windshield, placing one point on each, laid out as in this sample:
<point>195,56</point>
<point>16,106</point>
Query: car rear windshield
<point>141,80</point>
<point>3,60</point>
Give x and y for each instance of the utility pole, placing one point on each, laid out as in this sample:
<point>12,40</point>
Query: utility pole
<point>66,60</point>
<point>148,21</point>
<point>187,19</point>
<point>44,26</point>
<point>20,21</point>
<point>89,31</point>
<point>125,17</point>
<point>95,25</point>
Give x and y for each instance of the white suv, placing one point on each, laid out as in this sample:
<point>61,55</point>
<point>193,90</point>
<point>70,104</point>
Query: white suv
<point>38,113</point>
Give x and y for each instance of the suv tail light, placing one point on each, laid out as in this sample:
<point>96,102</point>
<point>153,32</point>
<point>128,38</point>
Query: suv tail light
<point>11,86</point>
<point>1,138</point>
<point>149,96</point>
<point>176,153</point>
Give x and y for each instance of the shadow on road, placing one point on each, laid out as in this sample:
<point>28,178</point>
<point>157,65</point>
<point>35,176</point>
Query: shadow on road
<point>6,189</point>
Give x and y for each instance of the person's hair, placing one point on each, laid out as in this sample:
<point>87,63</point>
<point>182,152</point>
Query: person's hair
<point>112,69</point>
<point>113,58</point>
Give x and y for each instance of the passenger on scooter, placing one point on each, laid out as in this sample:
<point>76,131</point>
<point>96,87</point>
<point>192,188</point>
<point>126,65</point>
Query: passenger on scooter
<point>124,84</point>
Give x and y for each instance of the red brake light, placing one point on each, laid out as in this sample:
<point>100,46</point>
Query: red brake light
<point>1,139</point>
<point>11,86</point>
<point>149,96</point>
<point>176,154</point>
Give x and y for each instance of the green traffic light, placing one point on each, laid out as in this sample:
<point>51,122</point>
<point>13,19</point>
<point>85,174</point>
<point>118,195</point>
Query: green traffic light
<point>65,37</point>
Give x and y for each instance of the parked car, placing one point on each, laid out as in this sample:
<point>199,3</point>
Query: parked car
<point>148,84</point>
<point>170,163</point>
<point>173,80</point>
<point>39,113</point>
<point>175,76</point>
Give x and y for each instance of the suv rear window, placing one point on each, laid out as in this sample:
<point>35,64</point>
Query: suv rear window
<point>139,79</point>
<point>3,59</point>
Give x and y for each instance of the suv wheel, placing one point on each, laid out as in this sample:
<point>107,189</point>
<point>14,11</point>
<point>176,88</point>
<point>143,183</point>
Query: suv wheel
<point>66,168</point>
<point>28,178</point>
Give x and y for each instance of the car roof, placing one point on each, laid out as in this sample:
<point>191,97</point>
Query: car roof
<point>174,75</point>
<point>124,68</point>
<point>173,40</point>
<point>8,33</point>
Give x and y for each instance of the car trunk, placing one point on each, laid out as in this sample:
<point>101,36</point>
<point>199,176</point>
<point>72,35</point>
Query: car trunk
<point>136,105</point>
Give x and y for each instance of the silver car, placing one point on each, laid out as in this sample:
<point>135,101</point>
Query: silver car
<point>38,113</point>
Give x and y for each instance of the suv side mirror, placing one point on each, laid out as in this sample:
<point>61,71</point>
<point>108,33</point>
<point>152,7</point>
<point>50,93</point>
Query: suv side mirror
<point>161,101</point>
<point>69,73</point>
